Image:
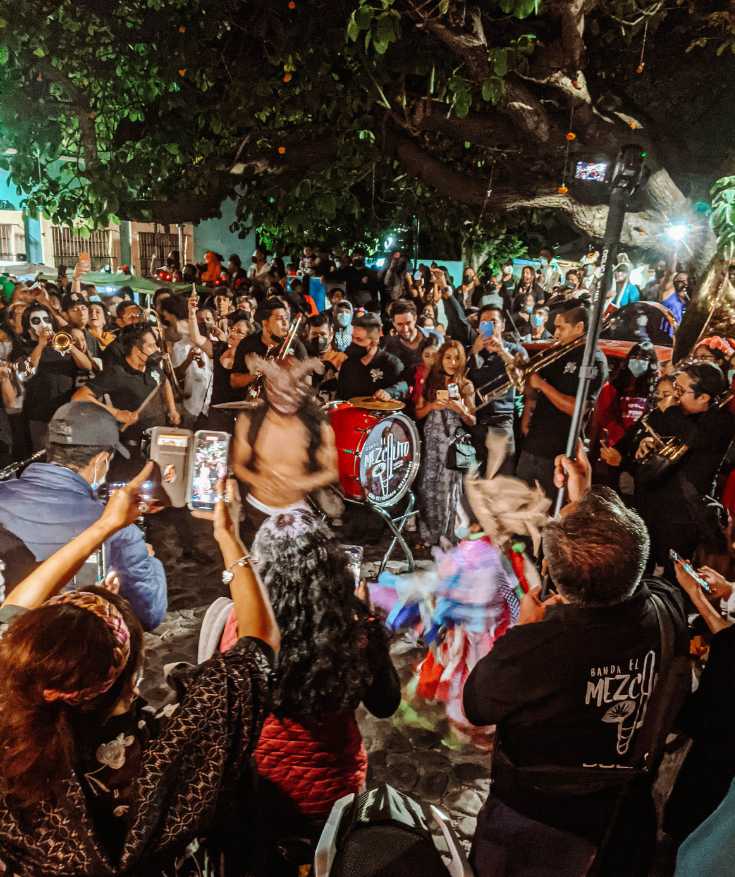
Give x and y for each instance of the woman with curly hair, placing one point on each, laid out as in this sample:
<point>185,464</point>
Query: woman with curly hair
<point>334,656</point>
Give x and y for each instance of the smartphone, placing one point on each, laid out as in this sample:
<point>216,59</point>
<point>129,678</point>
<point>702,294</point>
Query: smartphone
<point>171,449</point>
<point>453,391</point>
<point>209,464</point>
<point>442,395</point>
<point>487,328</point>
<point>689,570</point>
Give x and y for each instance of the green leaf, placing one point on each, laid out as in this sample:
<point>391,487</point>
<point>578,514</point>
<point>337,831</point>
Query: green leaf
<point>39,52</point>
<point>353,29</point>
<point>3,23</point>
<point>500,62</point>
<point>4,55</point>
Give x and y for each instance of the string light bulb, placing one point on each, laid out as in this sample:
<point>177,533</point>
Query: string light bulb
<point>563,189</point>
<point>281,150</point>
<point>570,135</point>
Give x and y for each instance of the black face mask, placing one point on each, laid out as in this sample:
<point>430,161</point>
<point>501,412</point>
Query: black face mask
<point>318,346</point>
<point>354,351</point>
<point>154,358</point>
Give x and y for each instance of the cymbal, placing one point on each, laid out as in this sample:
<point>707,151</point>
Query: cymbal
<point>371,404</point>
<point>244,405</point>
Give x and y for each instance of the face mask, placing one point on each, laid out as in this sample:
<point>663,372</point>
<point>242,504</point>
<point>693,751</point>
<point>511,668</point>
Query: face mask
<point>537,320</point>
<point>462,532</point>
<point>319,345</point>
<point>354,351</point>
<point>98,481</point>
<point>638,367</point>
<point>154,358</point>
<point>343,319</point>
<point>528,309</point>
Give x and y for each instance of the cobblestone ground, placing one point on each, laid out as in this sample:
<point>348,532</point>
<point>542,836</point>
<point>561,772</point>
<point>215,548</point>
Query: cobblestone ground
<point>415,751</point>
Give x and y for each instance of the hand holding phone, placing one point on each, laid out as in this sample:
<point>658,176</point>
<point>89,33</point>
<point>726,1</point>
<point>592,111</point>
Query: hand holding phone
<point>690,571</point>
<point>209,466</point>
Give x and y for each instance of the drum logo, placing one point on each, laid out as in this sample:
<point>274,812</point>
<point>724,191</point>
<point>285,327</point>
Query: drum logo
<point>388,462</point>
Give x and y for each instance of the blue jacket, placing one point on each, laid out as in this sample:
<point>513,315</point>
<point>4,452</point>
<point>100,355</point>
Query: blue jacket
<point>50,505</point>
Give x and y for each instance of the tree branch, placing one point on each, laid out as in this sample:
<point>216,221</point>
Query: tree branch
<point>85,115</point>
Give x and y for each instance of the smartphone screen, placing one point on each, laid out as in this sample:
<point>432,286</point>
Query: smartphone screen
<point>453,391</point>
<point>487,328</point>
<point>209,464</point>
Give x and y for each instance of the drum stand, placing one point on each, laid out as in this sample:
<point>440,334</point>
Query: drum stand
<point>395,525</point>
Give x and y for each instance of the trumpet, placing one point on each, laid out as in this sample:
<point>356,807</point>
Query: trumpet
<point>666,451</point>
<point>61,342</point>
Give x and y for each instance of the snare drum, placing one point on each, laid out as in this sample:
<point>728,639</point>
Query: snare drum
<point>379,454</point>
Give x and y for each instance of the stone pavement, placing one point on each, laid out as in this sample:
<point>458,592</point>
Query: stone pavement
<point>414,751</point>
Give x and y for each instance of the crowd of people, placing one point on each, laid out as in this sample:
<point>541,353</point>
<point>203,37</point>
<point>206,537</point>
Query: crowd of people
<point>582,680</point>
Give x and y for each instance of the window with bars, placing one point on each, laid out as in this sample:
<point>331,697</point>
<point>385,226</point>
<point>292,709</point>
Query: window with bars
<point>68,244</point>
<point>158,245</point>
<point>6,238</point>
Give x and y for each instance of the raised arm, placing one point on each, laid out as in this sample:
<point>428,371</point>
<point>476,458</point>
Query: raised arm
<point>253,610</point>
<point>56,571</point>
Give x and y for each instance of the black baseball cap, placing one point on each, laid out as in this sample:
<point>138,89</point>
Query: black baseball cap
<point>71,299</point>
<point>85,423</point>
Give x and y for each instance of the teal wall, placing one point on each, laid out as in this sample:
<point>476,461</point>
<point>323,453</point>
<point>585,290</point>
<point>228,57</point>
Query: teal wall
<point>8,191</point>
<point>215,234</point>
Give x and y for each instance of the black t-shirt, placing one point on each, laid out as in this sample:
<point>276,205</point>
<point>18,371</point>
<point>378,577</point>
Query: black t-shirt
<point>127,389</point>
<point>255,344</point>
<point>552,687</point>
<point>113,354</point>
<point>355,379</point>
<point>221,389</point>
<point>52,386</point>
<point>549,426</point>
<point>409,356</point>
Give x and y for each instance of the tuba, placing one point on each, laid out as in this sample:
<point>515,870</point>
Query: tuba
<point>710,312</point>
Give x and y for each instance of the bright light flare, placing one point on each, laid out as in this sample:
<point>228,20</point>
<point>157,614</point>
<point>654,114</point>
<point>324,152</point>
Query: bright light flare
<point>677,232</point>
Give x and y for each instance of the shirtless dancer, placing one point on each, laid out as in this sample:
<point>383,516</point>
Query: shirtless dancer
<point>284,448</point>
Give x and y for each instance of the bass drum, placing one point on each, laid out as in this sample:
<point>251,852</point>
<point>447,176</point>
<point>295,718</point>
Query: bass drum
<point>379,454</point>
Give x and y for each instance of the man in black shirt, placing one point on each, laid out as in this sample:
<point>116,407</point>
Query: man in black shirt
<point>268,343</point>
<point>75,310</point>
<point>128,313</point>
<point>673,504</point>
<point>550,404</point>
<point>487,369</point>
<point>368,370</point>
<point>124,387</point>
<point>407,343</point>
<point>573,689</point>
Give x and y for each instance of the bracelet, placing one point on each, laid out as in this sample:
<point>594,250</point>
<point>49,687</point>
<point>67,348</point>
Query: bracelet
<point>228,575</point>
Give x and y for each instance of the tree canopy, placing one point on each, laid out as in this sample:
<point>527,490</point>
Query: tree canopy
<point>332,119</point>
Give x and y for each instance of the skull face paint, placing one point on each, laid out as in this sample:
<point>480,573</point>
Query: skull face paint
<point>38,322</point>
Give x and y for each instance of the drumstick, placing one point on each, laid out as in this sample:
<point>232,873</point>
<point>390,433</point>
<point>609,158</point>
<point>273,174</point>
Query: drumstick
<point>142,405</point>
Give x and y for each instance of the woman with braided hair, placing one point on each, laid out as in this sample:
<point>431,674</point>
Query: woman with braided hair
<point>92,782</point>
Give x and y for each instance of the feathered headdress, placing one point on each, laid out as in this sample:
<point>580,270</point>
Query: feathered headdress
<point>505,506</point>
<point>286,384</point>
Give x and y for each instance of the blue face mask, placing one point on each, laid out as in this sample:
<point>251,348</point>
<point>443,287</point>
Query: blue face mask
<point>537,320</point>
<point>344,319</point>
<point>637,367</point>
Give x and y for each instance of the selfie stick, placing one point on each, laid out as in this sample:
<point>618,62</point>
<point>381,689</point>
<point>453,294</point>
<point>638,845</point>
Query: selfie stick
<point>625,179</point>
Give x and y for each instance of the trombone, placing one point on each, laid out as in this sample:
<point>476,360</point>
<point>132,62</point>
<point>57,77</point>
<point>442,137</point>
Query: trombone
<point>518,374</point>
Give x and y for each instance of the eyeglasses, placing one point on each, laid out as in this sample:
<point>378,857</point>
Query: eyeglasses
<point>682,391</point>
